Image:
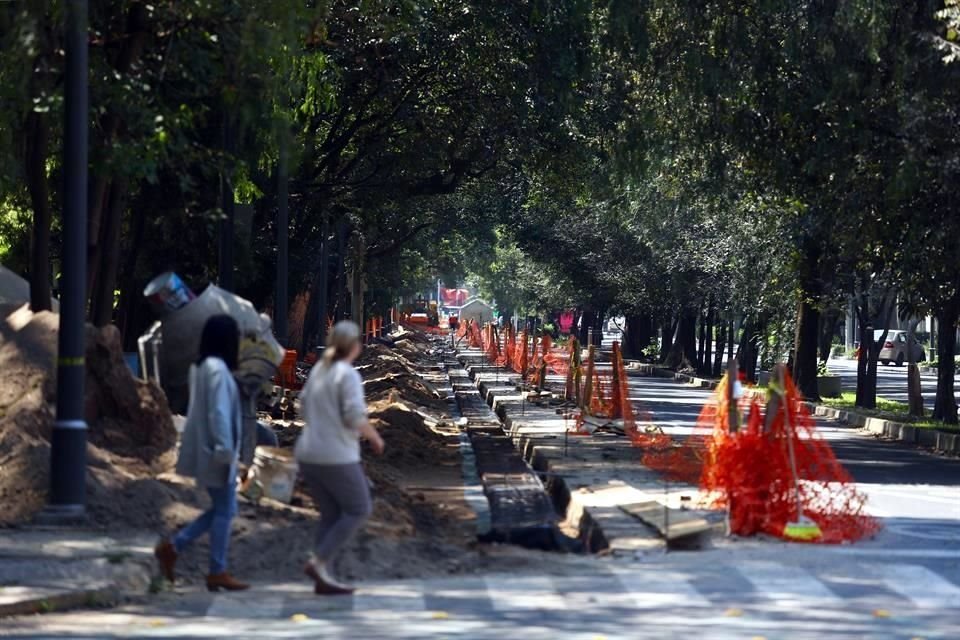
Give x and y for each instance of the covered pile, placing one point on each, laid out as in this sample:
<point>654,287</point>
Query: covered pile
<point>131,431</point>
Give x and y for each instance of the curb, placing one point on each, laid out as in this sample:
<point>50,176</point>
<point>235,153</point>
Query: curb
<point>102,597</point>
<point>46,570</point>
<point>939,441</point>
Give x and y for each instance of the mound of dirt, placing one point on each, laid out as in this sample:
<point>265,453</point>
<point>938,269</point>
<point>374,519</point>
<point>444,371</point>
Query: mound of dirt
<point>420,525</point>
<point>130,429</point>
<point>410,443</point>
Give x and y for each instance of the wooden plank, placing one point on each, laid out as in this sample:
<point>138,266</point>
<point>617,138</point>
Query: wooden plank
<point>670,523</point>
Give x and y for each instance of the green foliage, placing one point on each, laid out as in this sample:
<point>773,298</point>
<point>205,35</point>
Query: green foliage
<point>14,233</point>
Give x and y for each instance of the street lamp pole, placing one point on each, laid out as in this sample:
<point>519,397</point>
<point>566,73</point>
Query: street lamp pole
<point>68,442</point>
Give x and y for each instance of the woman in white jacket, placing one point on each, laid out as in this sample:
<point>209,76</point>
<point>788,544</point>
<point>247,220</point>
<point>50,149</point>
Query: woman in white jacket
<point>210,451</point>
<point>328,451</point>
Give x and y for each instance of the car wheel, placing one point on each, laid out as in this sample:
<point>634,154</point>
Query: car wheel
<point>885,363</point>
<point>900,360</point>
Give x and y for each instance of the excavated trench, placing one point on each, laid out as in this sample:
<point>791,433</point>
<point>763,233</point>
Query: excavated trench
<point>521,511</point>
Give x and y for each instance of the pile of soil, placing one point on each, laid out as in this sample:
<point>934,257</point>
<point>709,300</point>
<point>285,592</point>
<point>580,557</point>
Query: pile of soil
<point>420,524</point>
<point>389,371</point>
<point>130,429</point>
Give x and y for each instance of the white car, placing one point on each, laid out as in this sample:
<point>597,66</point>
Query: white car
<point>895,347</point>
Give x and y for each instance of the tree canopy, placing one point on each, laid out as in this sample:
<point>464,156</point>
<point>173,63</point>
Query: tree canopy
<point>741,169</point>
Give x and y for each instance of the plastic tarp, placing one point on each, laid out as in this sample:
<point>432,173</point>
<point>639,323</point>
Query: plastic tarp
<point>15,292</point>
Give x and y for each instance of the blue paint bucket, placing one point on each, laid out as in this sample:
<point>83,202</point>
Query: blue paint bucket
<point>167,293</point>
<point>133,361</point>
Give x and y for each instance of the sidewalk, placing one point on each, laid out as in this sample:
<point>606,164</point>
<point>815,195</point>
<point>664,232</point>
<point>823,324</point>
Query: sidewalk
<point>46,569</point>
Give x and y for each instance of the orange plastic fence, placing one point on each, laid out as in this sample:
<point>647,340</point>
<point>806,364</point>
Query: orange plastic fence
<point>558,360</point>
<point>475,338</point>
<point>287,371</point>
<point>521,362</point>
<point>607,396</point>
<point>749,472</point>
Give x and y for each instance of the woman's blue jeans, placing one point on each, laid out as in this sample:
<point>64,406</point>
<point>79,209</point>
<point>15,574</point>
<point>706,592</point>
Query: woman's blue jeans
<point>217,521</point>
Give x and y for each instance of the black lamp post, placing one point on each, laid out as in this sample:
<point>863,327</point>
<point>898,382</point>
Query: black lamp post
<point>68,442</point>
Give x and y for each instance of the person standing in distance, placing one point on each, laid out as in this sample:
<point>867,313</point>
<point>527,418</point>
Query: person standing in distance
<point>210,451</point>
<point>328,451</point>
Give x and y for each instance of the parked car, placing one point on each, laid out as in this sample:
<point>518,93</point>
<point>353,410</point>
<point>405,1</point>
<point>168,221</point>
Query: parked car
<point>895,348</point>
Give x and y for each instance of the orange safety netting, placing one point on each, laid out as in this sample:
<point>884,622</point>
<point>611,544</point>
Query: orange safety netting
<point>286,376</point>
<point>462,328</point>
<point>508,353</point>
<point>541,349</point>
<point>491,344</point>
<point>607,395</point>
<point>521,354</point>
<point>475,338</point>
<point>558,359</point>
<point>748,471</point>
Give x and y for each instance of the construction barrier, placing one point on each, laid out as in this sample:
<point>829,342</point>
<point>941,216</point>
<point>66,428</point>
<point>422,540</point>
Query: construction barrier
<point>740,454</point>
<point>603,397</point>
<point>287,371</point>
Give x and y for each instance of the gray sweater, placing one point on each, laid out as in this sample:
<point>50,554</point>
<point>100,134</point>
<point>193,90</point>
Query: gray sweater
<point>334,409</point>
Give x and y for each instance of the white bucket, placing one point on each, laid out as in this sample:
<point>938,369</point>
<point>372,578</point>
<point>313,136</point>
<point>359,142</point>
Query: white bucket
<point>275,471</point>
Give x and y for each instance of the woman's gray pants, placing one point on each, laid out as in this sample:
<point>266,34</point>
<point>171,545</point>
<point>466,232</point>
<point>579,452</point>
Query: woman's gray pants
<point>342,495</point>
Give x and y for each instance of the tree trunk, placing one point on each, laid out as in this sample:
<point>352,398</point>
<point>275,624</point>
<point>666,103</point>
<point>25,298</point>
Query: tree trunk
<point>135,37</point>
<point>683,353</point>
<point>598,321</point>
<point>805,358</point>
<point>827,322</point>
<point>667,331</point>
<point>132,318</point>
<point>324,282</point>
<point>701,340</point>
<point>945,407</point>
<point>340,311</point>
<point>867,361</point>
<point>356,295</point>
<point>722,328</point>
<point>749,348</point>
<point>226,231</point>
<point>35,171</point>
<point>638,334</point>
<point>914,390</point>
<point>587,322</point>
<point>731,337</point>
<point>103,293</point>
<point>706,368</point>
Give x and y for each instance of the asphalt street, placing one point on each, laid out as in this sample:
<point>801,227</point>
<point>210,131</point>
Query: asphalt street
<point>891,380</point>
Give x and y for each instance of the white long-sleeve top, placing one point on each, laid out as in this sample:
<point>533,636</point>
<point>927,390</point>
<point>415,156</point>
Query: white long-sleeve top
<point>334,410</point>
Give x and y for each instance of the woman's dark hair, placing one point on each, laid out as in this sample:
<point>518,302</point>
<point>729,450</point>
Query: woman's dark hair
<point>220,339</point>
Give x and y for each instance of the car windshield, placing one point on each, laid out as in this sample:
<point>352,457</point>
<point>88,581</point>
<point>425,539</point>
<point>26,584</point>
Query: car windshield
<point>891,334</point>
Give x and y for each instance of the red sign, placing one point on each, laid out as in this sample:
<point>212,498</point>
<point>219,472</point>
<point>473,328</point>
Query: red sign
<point>454,297</point>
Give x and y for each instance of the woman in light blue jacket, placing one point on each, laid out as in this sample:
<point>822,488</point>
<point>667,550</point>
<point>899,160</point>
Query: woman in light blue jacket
<point>210,451</point>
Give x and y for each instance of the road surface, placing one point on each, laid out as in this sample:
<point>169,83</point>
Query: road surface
<point>891,381</point>
<point>776,593</point>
